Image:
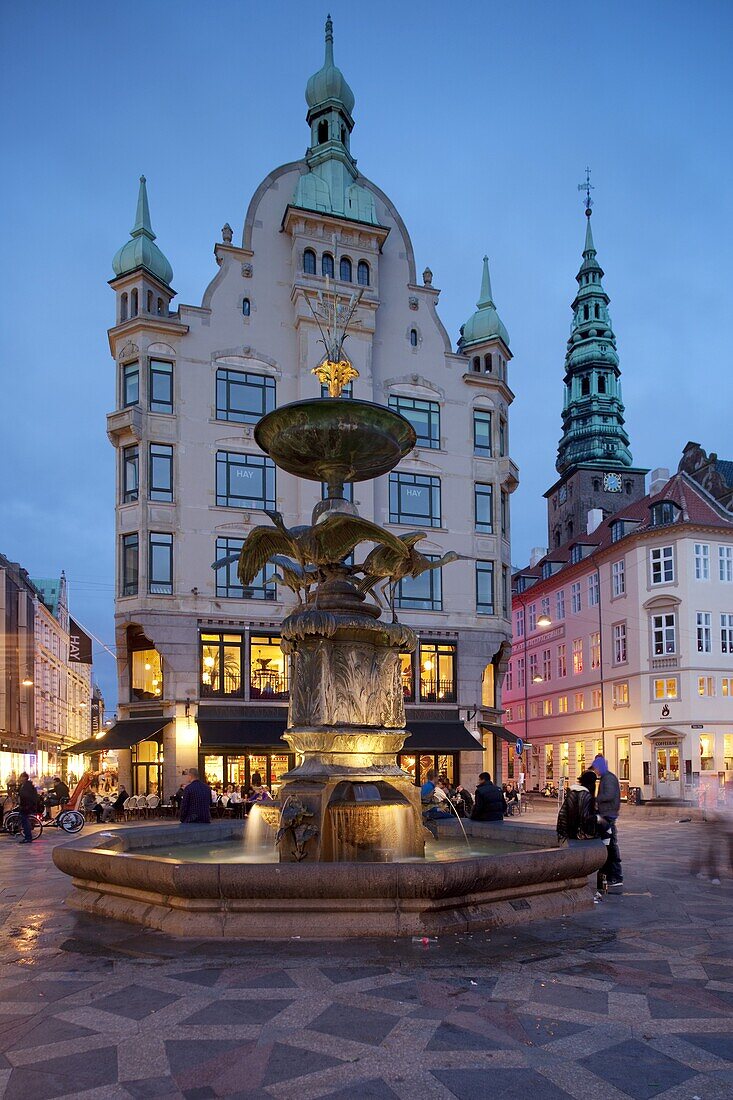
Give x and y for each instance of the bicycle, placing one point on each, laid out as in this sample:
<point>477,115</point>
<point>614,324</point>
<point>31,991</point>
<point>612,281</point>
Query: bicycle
<point>71,821</point>
<point>13,825</point>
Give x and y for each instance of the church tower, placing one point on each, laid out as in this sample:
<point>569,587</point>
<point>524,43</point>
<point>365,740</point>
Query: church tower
<point>593,458</point>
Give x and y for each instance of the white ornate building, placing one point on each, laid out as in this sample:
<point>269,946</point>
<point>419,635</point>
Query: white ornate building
<point>201,674</point>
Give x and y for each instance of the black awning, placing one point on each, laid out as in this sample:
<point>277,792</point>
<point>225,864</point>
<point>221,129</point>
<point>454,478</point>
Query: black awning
<point>123,734</point>
<point>440,737</point>
<point>503,733</point>
<point>243,733</point>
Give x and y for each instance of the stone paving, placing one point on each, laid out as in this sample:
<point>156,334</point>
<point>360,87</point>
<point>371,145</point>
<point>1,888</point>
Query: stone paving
<point>631,999</point>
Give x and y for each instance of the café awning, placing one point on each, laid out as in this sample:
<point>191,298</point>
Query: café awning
<point>440,737</point>
<point>122,735</point>
<point>502,732</point>
<point>243,733</point>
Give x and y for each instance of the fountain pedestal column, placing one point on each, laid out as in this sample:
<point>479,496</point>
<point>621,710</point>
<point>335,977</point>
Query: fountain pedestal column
<point>347,721</point>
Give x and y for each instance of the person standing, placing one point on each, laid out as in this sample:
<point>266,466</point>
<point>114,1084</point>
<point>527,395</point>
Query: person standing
<point>608,805</point>
<point>28,799</point>
<point>489,803</point>
<point>195,801</point>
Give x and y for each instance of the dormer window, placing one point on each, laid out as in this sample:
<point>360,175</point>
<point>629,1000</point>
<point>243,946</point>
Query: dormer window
<point>617,530</point>
<point>546,570</point>
<point>666,511</point>
<point>576,554</point>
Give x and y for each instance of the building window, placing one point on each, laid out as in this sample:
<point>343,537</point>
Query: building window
<point>130,384</point>
<point>545,607</point>
<point>706,686</point>
<point>504,513</point>
<point>726,633</point>
<point>161,386</point>
<point>424,417</point>
<point>532,617</point>
<point>362,273</point>
<point>160,307</point>
<point>414,498</point>
<point>622,750</point>
<point>619,644</point>
<point>562,704</point>
<point>662,564</point>
<point>546,708</point>
<point>621,697</point>
<point>485,588</point>
<point>520,623</point>
<point>520,672</point>
<point>268,670</point>
<point>546,665</point>
<point>345,274</point>
<point>534,674</point>
<point>413,337</point>
<point>704,624</point>
<point>130,473</point>
<point>243,397</point>
<point>579,753</point>
<point>149,302</point>
<point>309,262</point>
<point>707,752</point>
<point>347,391</point>
<point>228,584</point>
<point>595,650</point>
<point>222,661</point>
<point>702,561</point>
<point>577,656</point>
<point>482,433</point>
<point>160,564</point>
<point>509,678</point>
<point>348,491</point>
<point>488,363</point>
<point>725,563</point>
<point>422,593</point>
<point>476,364</point>
<point>618,578</point>
<point>244,481</point>
<point>130,560</point>
<point>562,660</point>
<point>133,303</point>
<point>161,472</point>
<point>560,604</point>
<point>664,634</point>
<point>666,688</point>
<point>407,674</point>
<point>505,592</point>
<point>123,307</point>
<point>246,307</point>
<point>617,530</point>
<point>327,265</point>
<point>726,689</point>
<point>549,762</point>
<point>483,508</point>
<point>146,675</point>
<point>502,437</point>
<point>663,513</point>
<point>593,590</point>
<point>576,554</point>
<point>575,598</point>
<point>437,672</point>
<point>580,700</point>
<point>596,699</point>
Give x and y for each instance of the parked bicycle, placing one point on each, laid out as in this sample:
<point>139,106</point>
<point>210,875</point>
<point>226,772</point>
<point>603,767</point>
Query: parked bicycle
<point>71,821</point>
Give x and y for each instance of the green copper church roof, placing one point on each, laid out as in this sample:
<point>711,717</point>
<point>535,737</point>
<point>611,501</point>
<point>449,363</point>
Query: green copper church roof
<point>141,250</point>
<point>485,324</point>
<point>329,82</point>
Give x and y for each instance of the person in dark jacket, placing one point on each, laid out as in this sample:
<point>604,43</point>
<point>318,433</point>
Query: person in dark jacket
<point>28,799</point>
<point>61,791</point>
<point>196,801</point>
<point>608,804</point>
<point>578,819</point>
<point>489,803</point>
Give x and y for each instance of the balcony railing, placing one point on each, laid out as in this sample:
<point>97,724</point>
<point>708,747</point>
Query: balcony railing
<point>659,664</point>
<point>437,691</point>
<point>267,683</point>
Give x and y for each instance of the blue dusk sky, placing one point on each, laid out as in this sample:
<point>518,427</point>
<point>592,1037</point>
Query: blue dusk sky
<point>478,119</point>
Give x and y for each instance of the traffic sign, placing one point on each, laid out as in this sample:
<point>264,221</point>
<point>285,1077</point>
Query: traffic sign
<point>519,746</point>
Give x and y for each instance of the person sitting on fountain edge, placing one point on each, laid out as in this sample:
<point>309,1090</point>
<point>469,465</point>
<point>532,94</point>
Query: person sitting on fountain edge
<point>489,804</point>
<point>196,800</point>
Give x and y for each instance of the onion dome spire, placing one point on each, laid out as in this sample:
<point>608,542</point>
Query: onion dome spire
<point>485,324</point>
<point>329,83</point>
<point>141,250</point>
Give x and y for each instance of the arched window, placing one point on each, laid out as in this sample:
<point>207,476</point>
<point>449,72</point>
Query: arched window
<point>476,364</point>
<point>596,485</point>
<point>413,337</point>
<point>246,308</point>
<point>123,307</point>
<point>596,311</point>
<point>149,302</point>
<point>345,270</point>
<point>133,303</point>
<point>160,307</point>
<point>488,363</point>
<point>584,387</point>
<point>322,131</point>
<point>309,262</point>
<point>327,264</point>
<point>585,313</point>
<point>362,273</point>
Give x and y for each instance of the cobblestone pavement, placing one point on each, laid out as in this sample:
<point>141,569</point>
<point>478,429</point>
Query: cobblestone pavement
<point>632,999</point>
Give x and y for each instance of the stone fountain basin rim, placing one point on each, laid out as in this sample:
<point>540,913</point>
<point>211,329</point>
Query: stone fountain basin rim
<point>88,860</point>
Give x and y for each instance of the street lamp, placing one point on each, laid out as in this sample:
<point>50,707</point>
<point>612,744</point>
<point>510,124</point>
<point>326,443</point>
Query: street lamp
<point>27,682</point>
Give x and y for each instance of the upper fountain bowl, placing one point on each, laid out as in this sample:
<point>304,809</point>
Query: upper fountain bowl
<point>335,439</point>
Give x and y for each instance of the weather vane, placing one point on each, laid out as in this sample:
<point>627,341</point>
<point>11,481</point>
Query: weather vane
<point>333,315</point>
<point>587,187</point>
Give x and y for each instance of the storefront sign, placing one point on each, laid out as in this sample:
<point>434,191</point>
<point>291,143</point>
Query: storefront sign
<point>637,742</point>
<point>697,727</point>
<point>80,644</point>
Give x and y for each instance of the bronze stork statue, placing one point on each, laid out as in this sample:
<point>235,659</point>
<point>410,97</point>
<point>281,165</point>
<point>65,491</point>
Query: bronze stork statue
<point>299,579</point>
<point>383,564</point>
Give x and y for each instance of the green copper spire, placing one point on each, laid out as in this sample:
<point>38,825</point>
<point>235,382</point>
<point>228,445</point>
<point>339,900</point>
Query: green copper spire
<point>330,184</point>
<point>592,418</point>
<point>485,324</point>
<point>141,251</point>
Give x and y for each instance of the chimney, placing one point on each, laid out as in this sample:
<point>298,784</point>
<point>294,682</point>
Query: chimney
<point>595,519</point>
<point>537,554</point>
<point>657,480</point>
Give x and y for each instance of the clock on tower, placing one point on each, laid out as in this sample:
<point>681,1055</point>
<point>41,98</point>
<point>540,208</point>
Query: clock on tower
<point>612,483</point>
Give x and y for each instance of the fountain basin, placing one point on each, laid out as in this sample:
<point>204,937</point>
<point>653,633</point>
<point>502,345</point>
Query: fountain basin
<point>114,877</point>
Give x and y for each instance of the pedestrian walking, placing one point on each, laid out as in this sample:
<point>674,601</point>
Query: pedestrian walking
<point>28,799</point>
<point>195,801</point>
<point>608,805</point>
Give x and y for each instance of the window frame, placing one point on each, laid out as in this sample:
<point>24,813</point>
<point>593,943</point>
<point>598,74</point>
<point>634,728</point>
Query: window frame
<point>155,373</point>
<point>160,493</point>
<point>129,371</point>
<point>160,540</point>
<point>263,386</point>
<point>129,579</point>
<point>224,463</point>
<point>485,568</point>
<point>483,450</point>
<point>223,640</point>
<point>618,578</point>
<point>704,631</point>
<point>661,562</point>
<point>662,630</point>
<point>483,491</point>
<point>701,552</point>
<point>404,405</point>
<point>433,601</point>
<point>130,464</point>
<point>401,479</point>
